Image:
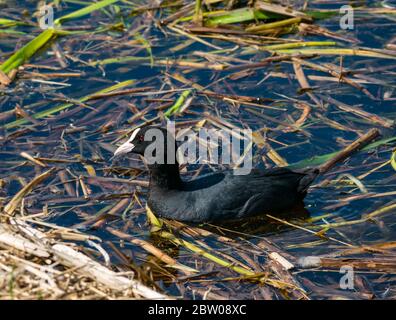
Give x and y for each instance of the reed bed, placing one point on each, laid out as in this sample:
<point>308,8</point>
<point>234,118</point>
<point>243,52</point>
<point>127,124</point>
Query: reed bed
<point>74,224</point>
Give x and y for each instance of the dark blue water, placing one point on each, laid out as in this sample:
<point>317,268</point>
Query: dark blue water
<point>104,120</point>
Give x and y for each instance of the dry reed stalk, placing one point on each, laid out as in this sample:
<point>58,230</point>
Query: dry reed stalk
<point>70,258</point>
<point>347,151</point>
<point>10,208</point>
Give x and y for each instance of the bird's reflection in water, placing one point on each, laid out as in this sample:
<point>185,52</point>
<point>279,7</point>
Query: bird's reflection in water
<point>244,228</point>
<point>260,225</point>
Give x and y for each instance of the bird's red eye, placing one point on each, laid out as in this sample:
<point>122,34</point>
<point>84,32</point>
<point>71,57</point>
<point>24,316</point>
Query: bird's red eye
<point>141,138</point>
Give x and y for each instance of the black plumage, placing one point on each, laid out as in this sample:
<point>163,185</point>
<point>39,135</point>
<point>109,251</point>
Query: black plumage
<point>222,195</point>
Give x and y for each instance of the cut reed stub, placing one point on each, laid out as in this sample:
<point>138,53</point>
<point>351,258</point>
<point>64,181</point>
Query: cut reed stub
<point>287,265</point>
<point>347,151</point>
<point>10,208</point>
<point>4,79</point>
<point>309,262</point>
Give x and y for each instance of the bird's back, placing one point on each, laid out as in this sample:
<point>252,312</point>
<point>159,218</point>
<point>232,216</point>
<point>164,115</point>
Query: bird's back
<point>225,196</point>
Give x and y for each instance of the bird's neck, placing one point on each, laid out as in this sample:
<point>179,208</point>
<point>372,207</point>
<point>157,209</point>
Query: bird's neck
<point>165,176</point>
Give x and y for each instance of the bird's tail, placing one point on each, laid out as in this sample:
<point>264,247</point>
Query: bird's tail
<point>309,176</point>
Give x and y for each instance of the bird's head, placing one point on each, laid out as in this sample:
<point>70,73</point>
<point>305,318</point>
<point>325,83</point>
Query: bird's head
<point>146,141</point>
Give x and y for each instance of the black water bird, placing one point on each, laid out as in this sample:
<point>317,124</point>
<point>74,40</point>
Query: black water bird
<point>219,196</point>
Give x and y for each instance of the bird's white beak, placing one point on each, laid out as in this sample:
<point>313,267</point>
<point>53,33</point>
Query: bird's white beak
<point>124,148</point>
<point>127,146</point>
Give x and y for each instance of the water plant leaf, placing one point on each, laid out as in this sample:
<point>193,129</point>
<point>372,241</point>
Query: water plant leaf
<point>84,11</point>
<point>158,224</point>
<point>154,221</point>
<point>11,31</point>
<point>317,160</point>
<point>393,160</point>
<point>61,107</point>
<point>178,104</point>
<point>194,248</point>
<point>9,23</point>
<point>299,44</point>
<point>338,51</point>
<point>273,25</point>
<point>118,60</point>
<point>23,54</point>
<point>198,12</point>
<point>147,46</point>
<point>239,15</point>
<point>319,15</point>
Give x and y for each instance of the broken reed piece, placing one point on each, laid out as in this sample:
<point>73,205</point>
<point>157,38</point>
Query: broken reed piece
<point>11,206</point>
<point>347,151</point>
<point>29,240</point>
<point>385,264</point>
<point>32,159</point>
<point>373,118</point>
<point>4,79</point>
<point>286,264</point>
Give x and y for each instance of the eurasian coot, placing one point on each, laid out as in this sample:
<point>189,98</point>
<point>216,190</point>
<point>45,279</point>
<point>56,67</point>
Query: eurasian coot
<point>217,196</point>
